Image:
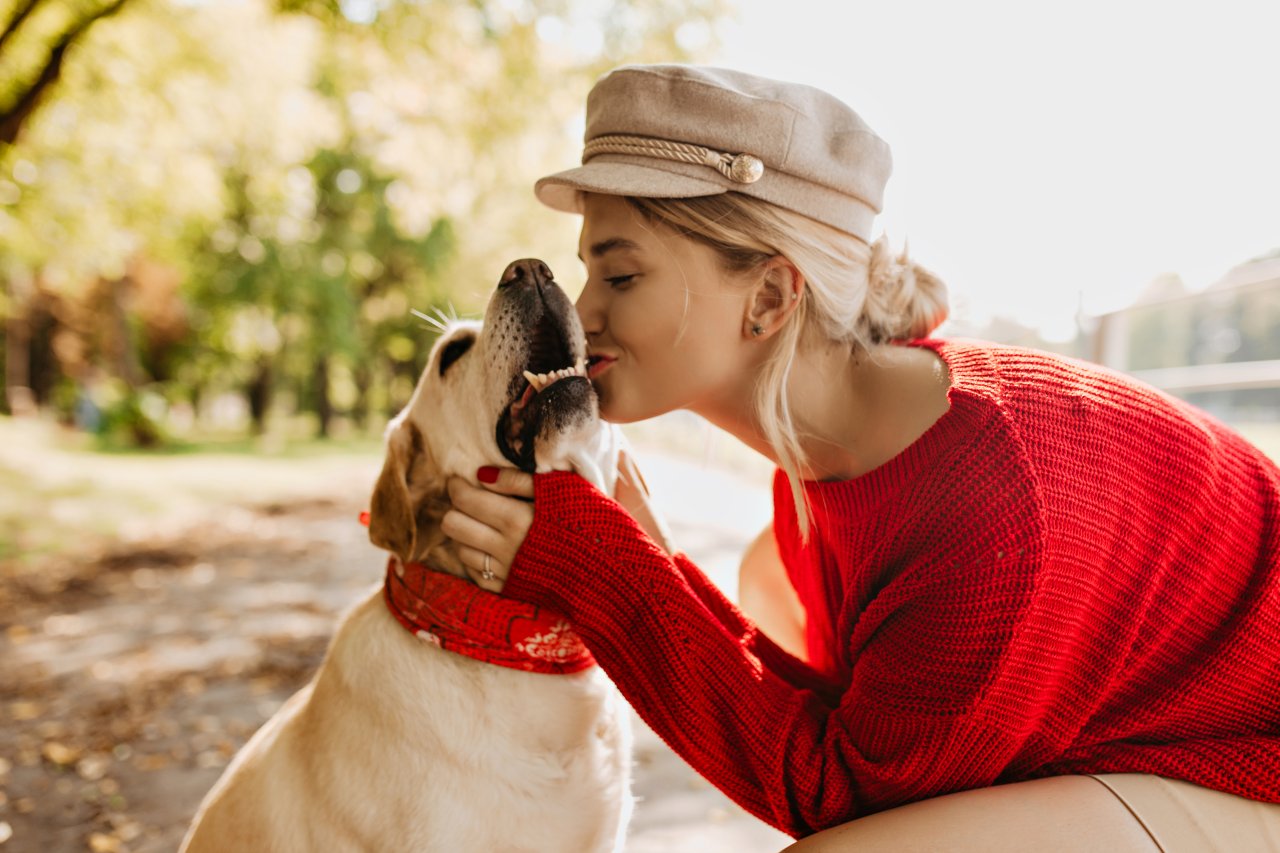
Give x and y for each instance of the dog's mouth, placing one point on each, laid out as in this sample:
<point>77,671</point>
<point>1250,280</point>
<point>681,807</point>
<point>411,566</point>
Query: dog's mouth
<point>552,381</point>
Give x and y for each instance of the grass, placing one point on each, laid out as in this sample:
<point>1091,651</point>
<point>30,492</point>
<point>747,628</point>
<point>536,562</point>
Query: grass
<point>60,492</point>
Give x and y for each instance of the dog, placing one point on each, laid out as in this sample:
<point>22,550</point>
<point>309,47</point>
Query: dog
<point>400,742</point>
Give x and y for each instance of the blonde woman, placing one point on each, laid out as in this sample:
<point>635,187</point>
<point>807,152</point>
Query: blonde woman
<point>1009,601</point>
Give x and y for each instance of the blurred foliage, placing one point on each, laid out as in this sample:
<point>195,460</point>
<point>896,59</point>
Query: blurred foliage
<point>35,36</point>
<point>224,200</point>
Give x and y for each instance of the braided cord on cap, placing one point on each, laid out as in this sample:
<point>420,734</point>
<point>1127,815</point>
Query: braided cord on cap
<point>740,168</point>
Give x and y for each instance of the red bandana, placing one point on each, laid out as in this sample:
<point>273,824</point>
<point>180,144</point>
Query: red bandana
<point>460,617</point>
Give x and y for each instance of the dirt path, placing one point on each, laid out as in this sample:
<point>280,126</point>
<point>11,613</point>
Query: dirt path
<point>128,681</point>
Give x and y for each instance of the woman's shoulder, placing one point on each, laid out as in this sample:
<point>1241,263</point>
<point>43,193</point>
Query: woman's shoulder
<point>1032,384</point>
<point>987,368</point>
<point>1067,410</point>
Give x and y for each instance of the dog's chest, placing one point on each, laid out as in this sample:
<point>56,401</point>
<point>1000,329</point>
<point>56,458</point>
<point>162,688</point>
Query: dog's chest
<point>486,757</point>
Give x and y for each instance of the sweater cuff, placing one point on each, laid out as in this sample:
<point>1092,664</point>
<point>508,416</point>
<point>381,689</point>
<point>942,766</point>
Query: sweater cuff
<point>574,524</point>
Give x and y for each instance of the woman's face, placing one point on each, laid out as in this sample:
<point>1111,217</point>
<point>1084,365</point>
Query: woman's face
<point>644,282</point>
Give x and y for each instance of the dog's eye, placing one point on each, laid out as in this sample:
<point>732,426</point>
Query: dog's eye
<point>453,351</point>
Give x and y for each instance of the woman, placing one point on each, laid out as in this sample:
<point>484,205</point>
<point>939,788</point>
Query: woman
<point>1039,603</point>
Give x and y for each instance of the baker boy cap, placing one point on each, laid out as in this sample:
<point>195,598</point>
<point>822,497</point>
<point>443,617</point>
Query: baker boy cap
<point>682,131</point>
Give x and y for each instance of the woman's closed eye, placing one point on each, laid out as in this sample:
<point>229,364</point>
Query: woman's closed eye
<point>620,280</point>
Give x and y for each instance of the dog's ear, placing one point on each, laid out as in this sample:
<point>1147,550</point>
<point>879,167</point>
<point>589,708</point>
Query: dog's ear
<point>391,512</point>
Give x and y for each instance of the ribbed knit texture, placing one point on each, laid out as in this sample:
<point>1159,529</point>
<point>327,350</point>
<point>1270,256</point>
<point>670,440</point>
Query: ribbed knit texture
<point>1067,573</point>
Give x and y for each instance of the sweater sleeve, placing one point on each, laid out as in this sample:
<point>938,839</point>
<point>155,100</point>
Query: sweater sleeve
<point>773,657</point>
<point>775,739</point>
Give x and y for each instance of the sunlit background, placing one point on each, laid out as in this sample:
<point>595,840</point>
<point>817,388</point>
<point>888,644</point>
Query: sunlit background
<point>212,213</point>
<point>218,217</point>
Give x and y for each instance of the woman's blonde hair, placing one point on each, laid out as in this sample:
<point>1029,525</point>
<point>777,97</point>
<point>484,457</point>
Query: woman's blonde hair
<point>856,294</point>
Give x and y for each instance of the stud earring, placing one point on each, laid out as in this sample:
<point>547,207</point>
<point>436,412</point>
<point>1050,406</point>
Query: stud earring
<point>757,330</point>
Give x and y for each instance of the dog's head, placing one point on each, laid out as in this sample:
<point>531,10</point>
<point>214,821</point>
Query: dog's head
<point>511,391</point>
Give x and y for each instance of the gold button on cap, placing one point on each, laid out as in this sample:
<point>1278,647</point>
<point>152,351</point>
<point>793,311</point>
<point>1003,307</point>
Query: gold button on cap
<point>746,169</point>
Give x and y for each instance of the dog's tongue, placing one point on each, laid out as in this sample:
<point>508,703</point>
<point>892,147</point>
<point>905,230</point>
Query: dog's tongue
<point>526,397</point>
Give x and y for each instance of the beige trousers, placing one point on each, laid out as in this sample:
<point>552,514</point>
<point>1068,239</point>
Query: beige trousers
<point>1113,813</point>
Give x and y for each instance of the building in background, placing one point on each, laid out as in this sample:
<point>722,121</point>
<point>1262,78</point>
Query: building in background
<point>1218,348</point>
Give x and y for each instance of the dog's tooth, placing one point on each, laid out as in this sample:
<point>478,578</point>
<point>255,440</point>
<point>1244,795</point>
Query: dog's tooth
<point>533,380</point>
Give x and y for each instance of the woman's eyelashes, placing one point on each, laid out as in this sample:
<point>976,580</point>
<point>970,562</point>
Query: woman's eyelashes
<point>619,280</point>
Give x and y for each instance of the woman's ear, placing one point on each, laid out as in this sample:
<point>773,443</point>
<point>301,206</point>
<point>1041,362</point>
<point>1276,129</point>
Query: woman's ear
<point>773,298</point>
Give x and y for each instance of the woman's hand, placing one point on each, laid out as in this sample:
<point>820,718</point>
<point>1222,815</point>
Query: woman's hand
<point>493,521</point>
<point>490,524</point>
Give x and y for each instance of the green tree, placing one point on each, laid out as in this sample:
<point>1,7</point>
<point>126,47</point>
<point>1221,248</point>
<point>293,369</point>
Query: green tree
<point>310,175</point>
<point>33,47</point>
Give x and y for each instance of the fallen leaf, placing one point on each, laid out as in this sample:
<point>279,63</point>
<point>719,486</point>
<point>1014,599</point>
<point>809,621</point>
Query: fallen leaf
<point>210,759</point>
<point>49,729</point>
<point>100,843</point>
<point>60,753</point>
<point>129,830</point>
<point>151,762</point>
<point>93,767</point>
<point>23,710</point>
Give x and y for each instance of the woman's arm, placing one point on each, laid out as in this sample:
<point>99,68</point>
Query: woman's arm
<point>766,595</point>
<point>798,756</point>
<point>802,752</point>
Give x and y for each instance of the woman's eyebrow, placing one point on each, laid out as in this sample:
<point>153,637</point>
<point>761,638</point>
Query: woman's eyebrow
<point>606,246</point>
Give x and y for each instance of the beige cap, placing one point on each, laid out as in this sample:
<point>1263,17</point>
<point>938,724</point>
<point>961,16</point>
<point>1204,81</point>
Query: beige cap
<point>681,131</point>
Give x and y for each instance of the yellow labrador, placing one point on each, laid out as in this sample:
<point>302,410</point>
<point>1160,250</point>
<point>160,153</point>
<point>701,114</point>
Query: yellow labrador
<point>399,744</point>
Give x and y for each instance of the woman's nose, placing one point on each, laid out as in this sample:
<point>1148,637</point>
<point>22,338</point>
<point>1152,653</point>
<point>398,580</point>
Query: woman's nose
<point>590,310</point>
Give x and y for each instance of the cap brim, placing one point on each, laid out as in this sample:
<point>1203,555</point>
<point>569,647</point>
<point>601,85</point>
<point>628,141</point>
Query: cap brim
<point>561,190</point>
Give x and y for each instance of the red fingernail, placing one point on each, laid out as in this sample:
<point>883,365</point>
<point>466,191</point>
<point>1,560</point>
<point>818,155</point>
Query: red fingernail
<point>487,474</point>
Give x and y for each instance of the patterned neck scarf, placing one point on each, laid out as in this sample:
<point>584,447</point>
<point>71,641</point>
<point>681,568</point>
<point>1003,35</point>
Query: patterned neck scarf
<point>460,617</point>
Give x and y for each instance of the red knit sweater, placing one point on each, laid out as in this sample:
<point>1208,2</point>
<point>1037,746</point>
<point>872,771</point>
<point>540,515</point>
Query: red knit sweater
<point>1067,573</point>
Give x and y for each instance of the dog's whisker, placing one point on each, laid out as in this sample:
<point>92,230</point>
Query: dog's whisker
<point>435,324</point>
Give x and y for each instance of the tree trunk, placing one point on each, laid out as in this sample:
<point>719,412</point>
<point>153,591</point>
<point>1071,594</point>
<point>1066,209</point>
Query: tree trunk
<point>43,368</point>
<point>122,349</point>
<point>362,378</point>
<point>324,406</point>
<point>17,345</point>
<point>16,113</point>
<point>259,394</point>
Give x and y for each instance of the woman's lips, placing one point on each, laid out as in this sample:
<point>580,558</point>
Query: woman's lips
<point>599,365</point>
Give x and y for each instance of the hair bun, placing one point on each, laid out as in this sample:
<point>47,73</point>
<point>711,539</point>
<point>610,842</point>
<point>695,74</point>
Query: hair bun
<point>904,300</point>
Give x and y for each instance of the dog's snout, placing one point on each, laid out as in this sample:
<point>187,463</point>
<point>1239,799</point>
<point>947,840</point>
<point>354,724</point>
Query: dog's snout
<point>526,271</point>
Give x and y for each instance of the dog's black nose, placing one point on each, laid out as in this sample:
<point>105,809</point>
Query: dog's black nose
<point>526,271</point>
